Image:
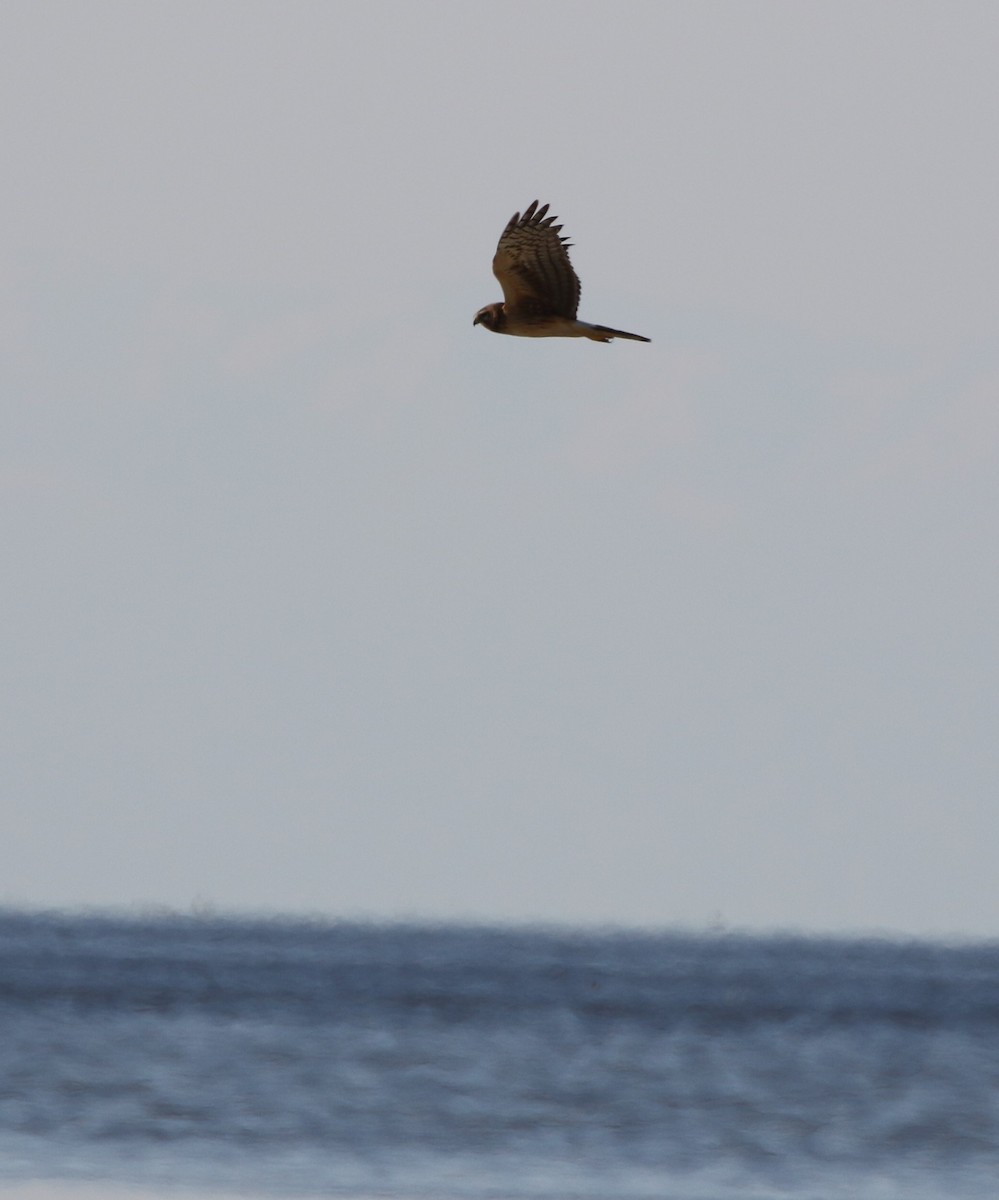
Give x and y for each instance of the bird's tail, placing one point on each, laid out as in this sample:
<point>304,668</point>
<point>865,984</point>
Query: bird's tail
<point>602,333</point>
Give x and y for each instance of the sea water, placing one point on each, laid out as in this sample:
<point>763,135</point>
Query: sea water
<point>307,1058</point>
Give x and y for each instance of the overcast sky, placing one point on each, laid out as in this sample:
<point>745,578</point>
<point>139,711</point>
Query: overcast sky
<point>315,598</point>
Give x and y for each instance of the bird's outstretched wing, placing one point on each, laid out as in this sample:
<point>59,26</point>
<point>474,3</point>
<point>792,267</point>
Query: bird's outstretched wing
<point>532,265</point>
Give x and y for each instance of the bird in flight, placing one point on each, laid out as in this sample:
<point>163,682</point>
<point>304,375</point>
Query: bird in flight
<point>540,288</point>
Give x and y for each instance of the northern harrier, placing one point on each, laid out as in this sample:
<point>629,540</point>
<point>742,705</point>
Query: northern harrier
<point>540,288</point>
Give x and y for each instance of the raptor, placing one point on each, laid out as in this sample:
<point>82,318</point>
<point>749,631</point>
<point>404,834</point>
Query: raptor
<point>540,288</point>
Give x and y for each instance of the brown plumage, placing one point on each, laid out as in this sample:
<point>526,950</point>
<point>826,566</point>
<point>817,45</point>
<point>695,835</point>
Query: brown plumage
<point>540,288</point>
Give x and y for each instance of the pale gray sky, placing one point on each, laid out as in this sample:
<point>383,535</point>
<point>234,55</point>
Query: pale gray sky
<point>315,598</point>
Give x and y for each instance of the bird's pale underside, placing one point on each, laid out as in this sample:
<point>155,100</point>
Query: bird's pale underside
<point>540,288</point>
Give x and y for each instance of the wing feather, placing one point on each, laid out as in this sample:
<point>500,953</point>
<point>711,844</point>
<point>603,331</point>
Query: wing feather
<point>533,267</point>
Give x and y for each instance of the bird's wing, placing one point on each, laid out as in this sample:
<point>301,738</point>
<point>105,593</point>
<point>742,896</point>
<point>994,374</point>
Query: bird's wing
<point>532,265</point>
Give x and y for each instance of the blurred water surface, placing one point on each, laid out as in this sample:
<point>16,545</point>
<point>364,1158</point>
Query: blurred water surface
<point>305,1058</point>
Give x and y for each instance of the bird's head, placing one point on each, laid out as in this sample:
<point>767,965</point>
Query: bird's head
<point>491,316</point>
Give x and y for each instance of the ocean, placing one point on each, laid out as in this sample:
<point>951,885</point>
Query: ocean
<point>284,1058</point>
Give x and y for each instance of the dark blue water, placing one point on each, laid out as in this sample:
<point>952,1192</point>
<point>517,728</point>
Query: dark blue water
<point>267,1057</point>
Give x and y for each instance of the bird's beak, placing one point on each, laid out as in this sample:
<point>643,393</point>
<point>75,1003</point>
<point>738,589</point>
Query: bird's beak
<point>478,317</point>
